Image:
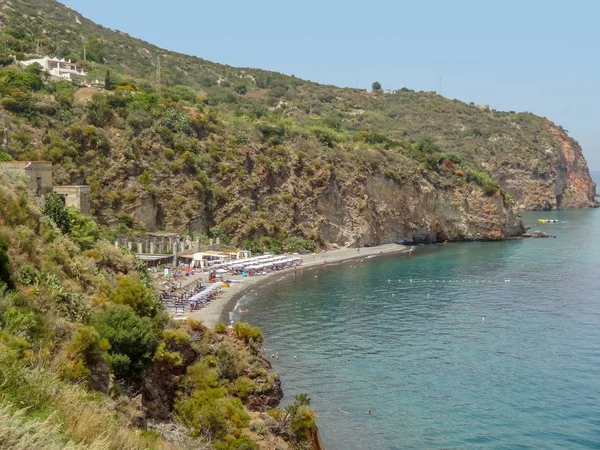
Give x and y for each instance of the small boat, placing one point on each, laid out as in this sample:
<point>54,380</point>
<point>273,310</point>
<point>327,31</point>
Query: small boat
<point>548,220</point>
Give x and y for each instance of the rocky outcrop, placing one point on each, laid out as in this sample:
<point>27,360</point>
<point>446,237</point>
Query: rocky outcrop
<point>554,175</point>
<point>373,209</point>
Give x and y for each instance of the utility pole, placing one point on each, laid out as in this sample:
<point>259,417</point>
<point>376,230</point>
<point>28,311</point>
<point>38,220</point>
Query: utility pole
<point>158,71</point>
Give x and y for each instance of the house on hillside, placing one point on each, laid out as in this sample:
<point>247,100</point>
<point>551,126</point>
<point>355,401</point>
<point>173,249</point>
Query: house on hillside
<point>59,68</point>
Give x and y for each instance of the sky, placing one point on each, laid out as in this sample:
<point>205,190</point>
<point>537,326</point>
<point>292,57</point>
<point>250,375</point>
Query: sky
<point>515,55</point>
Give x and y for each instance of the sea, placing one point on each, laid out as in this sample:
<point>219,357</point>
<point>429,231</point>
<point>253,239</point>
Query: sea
<point>491,345</point>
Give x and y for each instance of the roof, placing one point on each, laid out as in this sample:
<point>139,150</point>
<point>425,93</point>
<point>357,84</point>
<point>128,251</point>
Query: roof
<point>147,257</point>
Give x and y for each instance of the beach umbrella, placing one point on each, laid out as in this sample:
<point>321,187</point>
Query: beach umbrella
<point>221,271</point>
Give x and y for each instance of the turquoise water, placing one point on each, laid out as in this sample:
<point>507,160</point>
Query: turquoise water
<point>434,373</point>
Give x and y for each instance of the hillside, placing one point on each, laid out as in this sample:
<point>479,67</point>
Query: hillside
<point>89,360</point>
<point>260,157</point>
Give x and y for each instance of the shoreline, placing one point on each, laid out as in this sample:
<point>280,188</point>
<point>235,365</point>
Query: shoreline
<point>216,310</point>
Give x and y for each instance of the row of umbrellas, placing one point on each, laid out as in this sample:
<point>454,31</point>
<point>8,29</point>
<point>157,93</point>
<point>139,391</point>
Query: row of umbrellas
<point>247,261</point>
<point>206,292</point>
<point>273,262</point>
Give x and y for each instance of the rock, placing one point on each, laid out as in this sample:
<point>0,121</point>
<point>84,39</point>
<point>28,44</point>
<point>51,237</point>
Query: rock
<point>536,234</point>
<point>99,378</point>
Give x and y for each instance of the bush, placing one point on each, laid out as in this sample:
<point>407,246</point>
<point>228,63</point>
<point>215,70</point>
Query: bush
<point>134,294</point>
<point>298,244</point>
<point>483,180</point>
<point>203,414</point>
<point>83,229</point>
<point>133,340</point>
<point>54,207</point>
<point>176,336</point>
<point>5,157</point>
<point>5,268</point>
<point>248,333</point>
<point>221,328</point>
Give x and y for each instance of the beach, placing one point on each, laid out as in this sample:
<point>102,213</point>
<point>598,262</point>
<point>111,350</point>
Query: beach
<point>215,310</point>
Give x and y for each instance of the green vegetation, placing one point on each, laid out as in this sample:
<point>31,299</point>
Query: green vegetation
<point>76,313</point>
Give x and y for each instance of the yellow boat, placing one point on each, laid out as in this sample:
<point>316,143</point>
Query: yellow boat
<point>548,220</point>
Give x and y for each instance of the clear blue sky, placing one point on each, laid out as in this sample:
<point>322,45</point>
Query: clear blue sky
<point>522,55</point>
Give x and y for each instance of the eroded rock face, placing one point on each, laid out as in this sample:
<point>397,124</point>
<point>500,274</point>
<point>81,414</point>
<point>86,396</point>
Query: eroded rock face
<point>381,210</point>
<point>553,176</point>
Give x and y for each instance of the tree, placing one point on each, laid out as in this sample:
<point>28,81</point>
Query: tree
<point>35,69</point>
<point>133,341</point>
<point>5,270</point>
<point>376,86</point>
<point>54,207</point>
<point>107,81</point>
<point>84,230</point>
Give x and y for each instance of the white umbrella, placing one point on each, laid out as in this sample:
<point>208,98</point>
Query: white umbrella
<point>221,271</point>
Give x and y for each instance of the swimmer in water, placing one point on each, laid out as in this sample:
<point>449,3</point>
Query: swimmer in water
<point>348,361</point>
<point>277,356</point>
<point>295,358</point>
<point>342,411</point>
<point>368,411</point>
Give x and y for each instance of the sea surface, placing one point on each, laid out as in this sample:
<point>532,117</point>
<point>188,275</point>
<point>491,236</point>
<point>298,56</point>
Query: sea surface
<point>457,358</point>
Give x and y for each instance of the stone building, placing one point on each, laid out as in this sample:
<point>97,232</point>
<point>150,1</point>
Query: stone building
<point>37,173</point>
<point>77,197</point>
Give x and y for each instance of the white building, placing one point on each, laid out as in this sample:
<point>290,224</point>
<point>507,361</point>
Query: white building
<point>59,68</point>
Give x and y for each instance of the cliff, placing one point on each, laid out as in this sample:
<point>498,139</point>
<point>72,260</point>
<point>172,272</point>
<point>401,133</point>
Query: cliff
<point>557,177</point>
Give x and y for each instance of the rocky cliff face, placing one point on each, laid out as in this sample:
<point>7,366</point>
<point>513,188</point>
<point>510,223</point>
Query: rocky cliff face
<point>372,208</point>
<point>380,210</point>
<point>553,176</point>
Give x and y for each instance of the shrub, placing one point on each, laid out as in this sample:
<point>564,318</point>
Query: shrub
<point>298,244</point>
<point>144,178</point>
<point>134,294</point>
<point>248,333</point>
<point>54,207</point>
<point>83,229</point>
<point>228,362</point>
<point>221,328</point>
<point>427,145</point>
<point>169,154</point>
<point>133,341</point>
<point>483,180</point>
<point>5,268</point>
<point>85,348</point>
<point>5,157</point>
<point>176,336</point>
<point>203,414</point>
